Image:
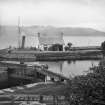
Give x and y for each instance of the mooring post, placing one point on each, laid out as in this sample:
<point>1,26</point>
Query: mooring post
<point>41,99</point>
<point>12,100</point>
<point>55,100</point>
<point>45,79</point>
<point>52,79</point>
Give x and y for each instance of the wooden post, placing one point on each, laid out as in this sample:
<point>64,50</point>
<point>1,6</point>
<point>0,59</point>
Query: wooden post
<point>35,74</point>
<point>41,99</point>
<point>23,42</point>
<point>55,100</point>
<point>45,79</point>
<point>12,101</point>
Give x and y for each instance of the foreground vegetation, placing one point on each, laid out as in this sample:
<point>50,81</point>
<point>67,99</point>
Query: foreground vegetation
<point>88,89</point>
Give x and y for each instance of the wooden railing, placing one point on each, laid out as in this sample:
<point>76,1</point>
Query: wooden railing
<point>47,99</point>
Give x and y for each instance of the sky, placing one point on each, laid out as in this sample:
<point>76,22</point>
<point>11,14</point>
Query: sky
<point>59,13</point>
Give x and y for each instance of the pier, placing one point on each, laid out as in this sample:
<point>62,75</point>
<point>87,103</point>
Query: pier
<point>32,55</point>
<point>26,71</point>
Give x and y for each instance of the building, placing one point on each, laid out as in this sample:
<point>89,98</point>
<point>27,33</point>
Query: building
<point>48,39</point>
<point>51,42</point>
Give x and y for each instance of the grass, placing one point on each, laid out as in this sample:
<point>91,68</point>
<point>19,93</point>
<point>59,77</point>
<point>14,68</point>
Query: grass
<point>45,89</point>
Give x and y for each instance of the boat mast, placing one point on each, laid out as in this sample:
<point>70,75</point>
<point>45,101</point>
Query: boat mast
<point>19,32</point>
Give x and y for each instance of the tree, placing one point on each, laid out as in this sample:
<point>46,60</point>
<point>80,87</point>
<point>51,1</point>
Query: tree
<point>66,48</point>
<point>69,45</point>
<point>88,89</point>
<point>103,47</point>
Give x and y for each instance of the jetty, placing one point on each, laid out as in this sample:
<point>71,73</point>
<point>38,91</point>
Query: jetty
<point>31,55</point>
<point>34,70</point>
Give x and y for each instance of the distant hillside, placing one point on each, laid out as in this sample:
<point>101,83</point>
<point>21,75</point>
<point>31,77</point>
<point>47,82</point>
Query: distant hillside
<point>9,34</point>
<point>82,32</point>
<point>67,31</point>
<point>12,31</point>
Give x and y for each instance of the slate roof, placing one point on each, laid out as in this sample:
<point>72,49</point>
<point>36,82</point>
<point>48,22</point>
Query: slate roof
<point>49,40</point>
<point>47,36</point>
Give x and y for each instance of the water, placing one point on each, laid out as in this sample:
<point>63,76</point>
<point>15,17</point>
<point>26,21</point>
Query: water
<point>84,40</point>
<point>5,41</point>
<point>66,68</point>
<point>70,68</point>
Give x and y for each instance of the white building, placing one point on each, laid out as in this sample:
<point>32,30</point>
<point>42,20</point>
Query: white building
<point>45,41</point>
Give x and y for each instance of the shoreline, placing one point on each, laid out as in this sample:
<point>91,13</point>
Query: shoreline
<point>29,56</point>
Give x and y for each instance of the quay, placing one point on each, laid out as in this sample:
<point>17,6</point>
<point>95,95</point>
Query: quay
<point>31,55</point>
<point>32,71</point>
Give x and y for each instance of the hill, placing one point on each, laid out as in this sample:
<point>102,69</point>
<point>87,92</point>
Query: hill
<point>9,34</point>
<point>12,31</point>
<point>67,31</point>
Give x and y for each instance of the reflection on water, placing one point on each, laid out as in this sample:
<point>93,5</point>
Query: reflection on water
<point>67,68</point>
<point>73,68</point>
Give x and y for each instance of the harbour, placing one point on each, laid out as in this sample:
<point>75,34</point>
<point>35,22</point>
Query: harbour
<point>67,68</point>
<point>47,70</point>
<point>52,52</point>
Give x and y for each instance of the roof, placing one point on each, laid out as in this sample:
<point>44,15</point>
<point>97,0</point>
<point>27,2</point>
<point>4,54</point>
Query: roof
<point>47,36</point>
<point>50,40</point>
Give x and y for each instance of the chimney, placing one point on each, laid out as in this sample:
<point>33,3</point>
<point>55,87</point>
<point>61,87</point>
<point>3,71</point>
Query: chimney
<point>61,34</point>
<point>23,42</point>
<point>38,34</point>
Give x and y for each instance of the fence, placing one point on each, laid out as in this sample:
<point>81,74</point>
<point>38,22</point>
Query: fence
<point>29,99</point>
